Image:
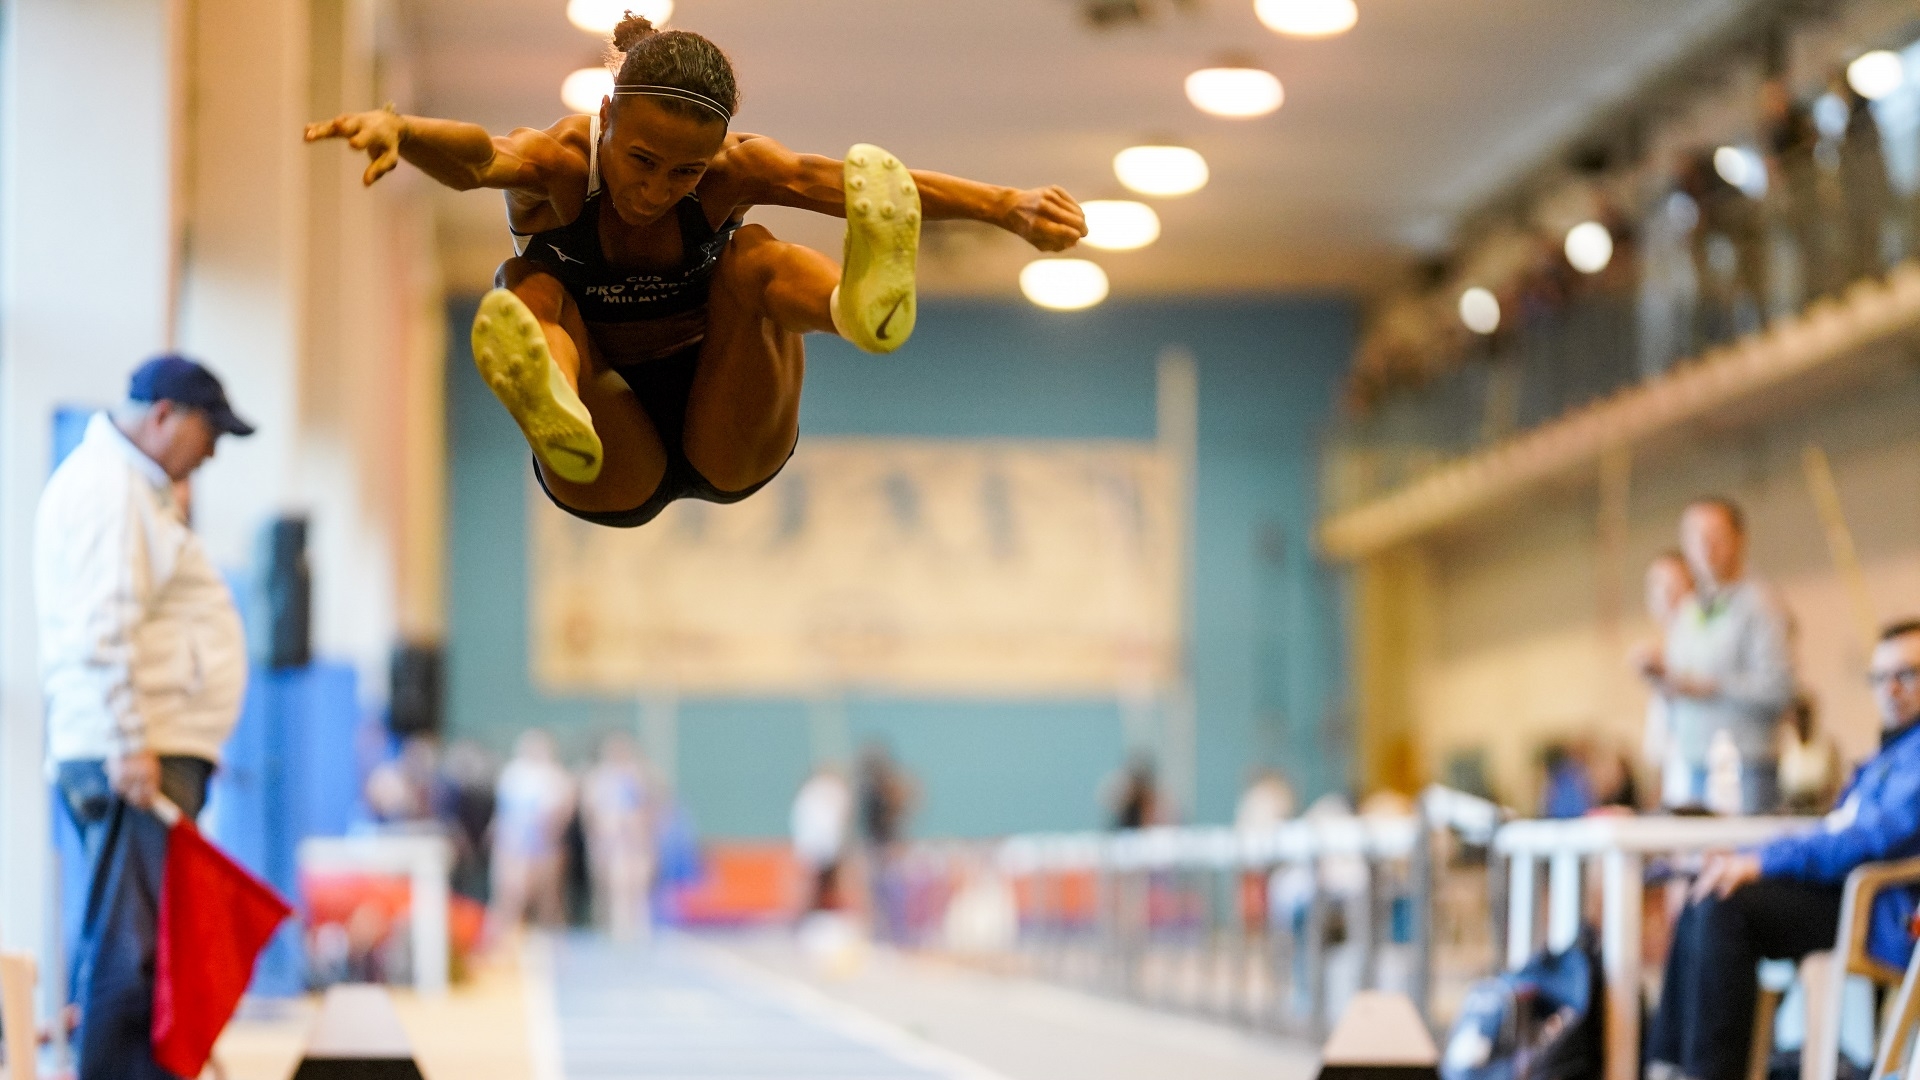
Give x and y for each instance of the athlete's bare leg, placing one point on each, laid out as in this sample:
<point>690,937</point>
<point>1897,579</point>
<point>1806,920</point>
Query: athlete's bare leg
<point>633,459</point>
<point>743,413</point>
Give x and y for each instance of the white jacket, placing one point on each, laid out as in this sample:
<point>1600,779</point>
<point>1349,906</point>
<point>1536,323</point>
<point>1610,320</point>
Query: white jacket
<point>140,645</point>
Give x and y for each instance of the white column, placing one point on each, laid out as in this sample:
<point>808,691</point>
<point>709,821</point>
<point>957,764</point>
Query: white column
<point>86,271</point>
<point>1563,900</point>
<point>1522,872</point>
<point>1622,886</point>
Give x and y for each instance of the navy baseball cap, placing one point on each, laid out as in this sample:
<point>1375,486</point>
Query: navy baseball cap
<point>184,382</point>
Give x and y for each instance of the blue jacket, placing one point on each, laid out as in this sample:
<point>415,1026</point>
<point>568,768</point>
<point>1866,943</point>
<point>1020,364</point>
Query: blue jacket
<point>1878,818</point>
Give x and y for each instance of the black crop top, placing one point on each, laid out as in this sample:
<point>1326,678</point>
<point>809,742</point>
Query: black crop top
<point>606,294</point>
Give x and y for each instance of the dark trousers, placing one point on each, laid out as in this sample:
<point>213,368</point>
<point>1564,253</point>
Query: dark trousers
<point>1704,1025</point>
<point>111,966</point>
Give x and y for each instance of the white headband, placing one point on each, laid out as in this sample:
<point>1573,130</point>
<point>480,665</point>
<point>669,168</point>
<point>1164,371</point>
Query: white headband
<point>675,92</point>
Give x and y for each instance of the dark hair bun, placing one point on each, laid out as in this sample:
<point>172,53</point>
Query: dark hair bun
<point>632,31</point>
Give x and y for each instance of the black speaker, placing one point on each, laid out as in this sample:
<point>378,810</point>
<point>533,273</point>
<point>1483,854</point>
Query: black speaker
<point>414,707</point>
<point>282,627</point>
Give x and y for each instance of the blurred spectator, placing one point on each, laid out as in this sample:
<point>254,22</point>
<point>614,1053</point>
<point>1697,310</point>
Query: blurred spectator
<point>1568,788</point>
<point>1133,798</point>
<point>1669,288</point>
<point>408,788</point>
<point>1266,802</point>
<point>1865,188</point>
<point>821,818</point>
<point>533,803</point>
<point>1610,773</point>
<point>886,799</point>
<point>468,774</point>
<point>1782,900</point>
<point>1725,668</point>
<point>617,812</point>
<point>1668,585</point>
<point>1809,763</point>
<point>1797,196</point>
<point>1729,247</point>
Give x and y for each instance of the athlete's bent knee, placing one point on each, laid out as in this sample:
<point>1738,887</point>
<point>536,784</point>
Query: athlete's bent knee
<point>534,284</point>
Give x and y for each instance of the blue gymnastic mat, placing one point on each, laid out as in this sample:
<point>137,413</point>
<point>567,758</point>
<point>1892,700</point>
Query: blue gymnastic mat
<point>658,1011</point>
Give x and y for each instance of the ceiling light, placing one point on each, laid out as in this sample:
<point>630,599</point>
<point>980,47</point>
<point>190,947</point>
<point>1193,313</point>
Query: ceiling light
<point>584,89</point>
<point>1743,168</point>
<point>1120,224</point>
<point>1876,74</point>
<point>1589,247</point>
<point>1064,284</point>
<point>1161,170</point>
<point>1307,18</point>
<point>1234,91</point>
<point>601,16</point>
<point>1480,310</point>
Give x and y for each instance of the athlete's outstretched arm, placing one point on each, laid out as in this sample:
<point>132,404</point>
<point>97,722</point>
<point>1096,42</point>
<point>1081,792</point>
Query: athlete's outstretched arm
<point>763,172</point>
<point>460,155</point>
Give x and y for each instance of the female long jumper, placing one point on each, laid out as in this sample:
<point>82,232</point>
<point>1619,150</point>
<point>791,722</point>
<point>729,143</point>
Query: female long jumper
<point>647,342</point>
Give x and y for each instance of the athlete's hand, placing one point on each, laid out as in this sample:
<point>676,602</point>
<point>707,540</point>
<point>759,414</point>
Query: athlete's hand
<point>1047,218</point>
<point>135,777</point>
<point>377,132</point>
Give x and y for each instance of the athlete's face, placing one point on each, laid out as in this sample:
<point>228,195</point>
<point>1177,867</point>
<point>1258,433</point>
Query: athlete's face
<point>650,158</point>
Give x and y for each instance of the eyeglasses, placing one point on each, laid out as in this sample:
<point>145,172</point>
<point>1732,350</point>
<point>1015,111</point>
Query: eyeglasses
<point>1908,678</point>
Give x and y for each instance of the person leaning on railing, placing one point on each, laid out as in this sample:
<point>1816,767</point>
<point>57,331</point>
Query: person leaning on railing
<point>1782,900</point>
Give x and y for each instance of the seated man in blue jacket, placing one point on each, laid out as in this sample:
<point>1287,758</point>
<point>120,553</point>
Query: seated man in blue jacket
<point>1782,900</point>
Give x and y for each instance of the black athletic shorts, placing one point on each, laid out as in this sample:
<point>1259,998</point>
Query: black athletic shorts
<point>663,386</point>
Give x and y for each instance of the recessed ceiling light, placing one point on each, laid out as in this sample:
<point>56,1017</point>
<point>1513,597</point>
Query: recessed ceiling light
<point>1161,170</point>
<point>1589,247</point>
<point>1234,91</point>
<point>1480,310</point>
<point>1120,224</point>
<point>1742,167</point>
<point>1064,284</point>
<point>1876,74</point>
<point>584,89</point>
<point>1307,18</point>
<point>601,16</point>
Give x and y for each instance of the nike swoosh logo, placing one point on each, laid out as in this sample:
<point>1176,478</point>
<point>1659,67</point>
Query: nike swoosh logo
<point>564,257</point>
<point>881,331</point>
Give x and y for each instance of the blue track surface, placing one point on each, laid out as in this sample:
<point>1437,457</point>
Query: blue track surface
<point>660,1011</point>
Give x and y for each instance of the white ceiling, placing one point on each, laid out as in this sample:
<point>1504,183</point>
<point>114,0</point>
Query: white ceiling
<point>1387,134</point>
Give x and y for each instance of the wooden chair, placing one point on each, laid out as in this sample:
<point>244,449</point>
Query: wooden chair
<point>1895,1057</point>
<point>1824,975</point>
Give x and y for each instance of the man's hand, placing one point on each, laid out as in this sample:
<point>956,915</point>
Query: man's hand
<point>1723,874</point>
<point>135,777</point>
<point>377,132</point>
<point>1048,218</point>
<point>1645,658</point>
<point>1690,686</point>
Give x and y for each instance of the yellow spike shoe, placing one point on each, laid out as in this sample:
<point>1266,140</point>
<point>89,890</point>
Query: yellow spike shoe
<point>511,352</point>
<point>873,307</point>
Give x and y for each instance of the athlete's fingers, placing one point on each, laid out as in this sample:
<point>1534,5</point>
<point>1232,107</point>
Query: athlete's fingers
<point>382,165</point>
<point>325,129</point>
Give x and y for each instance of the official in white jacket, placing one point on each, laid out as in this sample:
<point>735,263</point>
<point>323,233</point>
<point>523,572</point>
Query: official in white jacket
<point>142,657</point>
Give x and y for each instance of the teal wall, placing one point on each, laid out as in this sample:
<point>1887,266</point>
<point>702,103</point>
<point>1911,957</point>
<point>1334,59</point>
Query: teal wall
<point>1267,664</point>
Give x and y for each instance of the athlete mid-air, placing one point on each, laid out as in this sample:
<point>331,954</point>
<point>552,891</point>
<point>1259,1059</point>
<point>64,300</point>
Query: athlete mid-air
<point>647,342</point>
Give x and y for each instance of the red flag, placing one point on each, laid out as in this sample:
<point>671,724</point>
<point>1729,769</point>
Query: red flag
<point>214,920</point>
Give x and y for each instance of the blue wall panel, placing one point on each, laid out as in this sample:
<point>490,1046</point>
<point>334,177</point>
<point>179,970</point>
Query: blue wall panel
<point>1266,663</point>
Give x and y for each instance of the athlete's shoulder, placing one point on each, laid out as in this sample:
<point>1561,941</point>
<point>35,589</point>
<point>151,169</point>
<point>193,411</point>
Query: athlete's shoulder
<point>746,152</point>
<point>563,146</point>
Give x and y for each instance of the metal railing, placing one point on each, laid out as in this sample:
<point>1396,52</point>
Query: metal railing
<point>1271,929</point>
